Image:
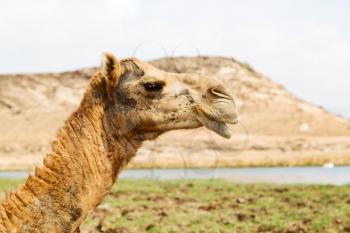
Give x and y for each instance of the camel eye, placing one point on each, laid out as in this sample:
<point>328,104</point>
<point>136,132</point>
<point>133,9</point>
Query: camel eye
<point>153,86</point>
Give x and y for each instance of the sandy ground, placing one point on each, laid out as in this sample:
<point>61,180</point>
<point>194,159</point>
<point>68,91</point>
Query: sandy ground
<point>25,140</point>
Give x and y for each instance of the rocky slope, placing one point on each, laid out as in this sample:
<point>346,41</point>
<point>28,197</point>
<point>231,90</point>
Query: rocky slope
<point>276,127</point>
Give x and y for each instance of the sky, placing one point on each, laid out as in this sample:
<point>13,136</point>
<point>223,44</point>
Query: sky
<point>304,45</point>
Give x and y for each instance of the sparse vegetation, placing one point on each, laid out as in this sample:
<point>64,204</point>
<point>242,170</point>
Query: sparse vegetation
<point>218,206</point>
<point>247,66</point>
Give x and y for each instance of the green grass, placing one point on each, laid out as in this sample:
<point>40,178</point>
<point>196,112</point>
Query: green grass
<point>219,206</point>
<point>7,185</point>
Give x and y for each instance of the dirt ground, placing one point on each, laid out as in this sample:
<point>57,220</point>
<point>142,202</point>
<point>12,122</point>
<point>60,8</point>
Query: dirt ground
<point>137,206</point>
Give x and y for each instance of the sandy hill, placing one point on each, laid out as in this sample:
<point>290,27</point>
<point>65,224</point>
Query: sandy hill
<point>276,127</point>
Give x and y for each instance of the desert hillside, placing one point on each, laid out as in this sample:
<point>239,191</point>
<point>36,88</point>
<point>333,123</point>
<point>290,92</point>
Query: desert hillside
<point>276,128</point>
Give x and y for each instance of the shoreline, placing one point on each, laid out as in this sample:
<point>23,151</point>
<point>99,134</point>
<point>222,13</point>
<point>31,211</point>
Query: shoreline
<point>279,175</point>
<point>262,151</point>
<point>303,162</point>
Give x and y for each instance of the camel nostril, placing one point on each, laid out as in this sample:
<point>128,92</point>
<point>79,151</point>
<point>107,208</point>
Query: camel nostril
<point>220,92</point>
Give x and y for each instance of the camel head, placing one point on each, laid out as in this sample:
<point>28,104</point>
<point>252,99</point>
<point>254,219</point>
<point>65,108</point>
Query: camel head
<point>145,100</point>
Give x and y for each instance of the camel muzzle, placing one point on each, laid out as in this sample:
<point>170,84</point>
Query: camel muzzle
<point>217,109</point>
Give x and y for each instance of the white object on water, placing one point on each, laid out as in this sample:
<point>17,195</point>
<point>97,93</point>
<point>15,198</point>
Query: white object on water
<point>328,165</point>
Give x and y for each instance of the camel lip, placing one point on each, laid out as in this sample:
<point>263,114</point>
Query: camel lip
<point>219,110</point>
<point>213,124</point>
<point>219,127</point>
<point>234,120</point>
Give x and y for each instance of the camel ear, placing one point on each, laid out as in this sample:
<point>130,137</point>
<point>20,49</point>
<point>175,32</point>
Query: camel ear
<point>111,69</point>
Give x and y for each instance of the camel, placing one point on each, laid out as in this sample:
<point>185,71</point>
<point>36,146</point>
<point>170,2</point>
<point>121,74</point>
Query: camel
<point>126,102</point>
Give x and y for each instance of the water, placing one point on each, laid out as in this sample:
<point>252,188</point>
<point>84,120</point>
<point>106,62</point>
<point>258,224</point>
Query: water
<point>13,174</point>
<point>286,175</point>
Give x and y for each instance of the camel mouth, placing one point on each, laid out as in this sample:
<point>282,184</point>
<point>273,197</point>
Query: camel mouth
<point>218,126</point>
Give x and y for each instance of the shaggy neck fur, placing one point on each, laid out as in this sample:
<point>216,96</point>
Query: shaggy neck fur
<point>86,158</point>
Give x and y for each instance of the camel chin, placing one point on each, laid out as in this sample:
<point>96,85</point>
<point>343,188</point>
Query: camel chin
<point>214,123</point>
<point>218,127</point>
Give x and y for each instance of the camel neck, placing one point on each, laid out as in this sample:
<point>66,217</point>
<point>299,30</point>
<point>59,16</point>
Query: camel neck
<point>75,177</point>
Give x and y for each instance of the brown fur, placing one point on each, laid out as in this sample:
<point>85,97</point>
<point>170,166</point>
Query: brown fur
<point>115,116</point>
